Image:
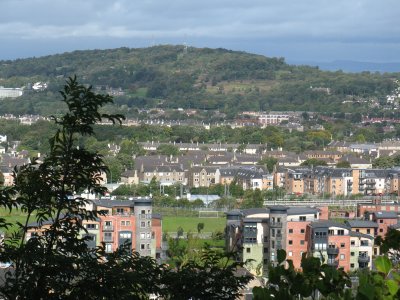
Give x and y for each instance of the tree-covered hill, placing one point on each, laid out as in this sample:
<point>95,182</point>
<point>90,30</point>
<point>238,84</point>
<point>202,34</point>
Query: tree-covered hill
<point>176,76</point>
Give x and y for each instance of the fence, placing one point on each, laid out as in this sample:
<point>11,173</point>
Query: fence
<point>323,202</point>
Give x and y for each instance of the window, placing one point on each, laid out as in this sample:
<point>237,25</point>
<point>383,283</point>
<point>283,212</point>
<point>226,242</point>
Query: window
<point>364,243</point>
<point>265,249</point>
<point>353,243</point>
<point>108,248</point>
<point>125,235</point>
<point>142,211</point>
<point>342,245</point>
<point>302,218</point>
<point>351,265</point>
<point>107,236</point>
<point>357,230</point>
<point>142,246</point>
<point>381,230</point>
<point>342,256</point>
<point>108,223</point>
<point>352,253</point>
<point>142,235</point>
<point>340,232</point>
<point>120,211</point>
<point>290,230</point>
<point>248,250</point>
<point>125,223</point>
<point>143,224</point>
<point>290,253</point>
<point>149,224</point>
<point>290,242</point>
<point>302,242</point>
<point>331,232</point>
<point>148,235</point>
<point>91,226</point>
<point>273,244</point>
<point>265,239</point>
<point>273,232</point>
<point>368,231</point>
<point>148,246</point>
<point>302,230</point>
<point>380,221</point>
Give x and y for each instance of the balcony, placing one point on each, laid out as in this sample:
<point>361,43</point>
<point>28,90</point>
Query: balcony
<point>108,228</point>
<point>107,238</point>
<point>275,224</point>
<point>332,251</point>
<point>332,263</point>
<point>145,216</point>
<point>363,259</point>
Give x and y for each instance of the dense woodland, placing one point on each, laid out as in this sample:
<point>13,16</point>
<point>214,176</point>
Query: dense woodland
<point>172,76</point>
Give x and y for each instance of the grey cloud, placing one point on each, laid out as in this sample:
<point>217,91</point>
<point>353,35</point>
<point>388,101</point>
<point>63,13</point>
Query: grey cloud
<point>273,21</point>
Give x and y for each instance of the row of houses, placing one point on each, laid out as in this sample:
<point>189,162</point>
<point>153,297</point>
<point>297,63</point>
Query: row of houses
<point>256,235</point>
<point>338,181</point>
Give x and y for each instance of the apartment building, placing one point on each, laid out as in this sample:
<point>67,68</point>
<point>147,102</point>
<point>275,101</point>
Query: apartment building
<point>365,209</point>
<point>341,181</point>
<point>123,222</point>
<point>258,234</point>
<point>294,180</point>
<point>337,245</point>
<point>254,178</point>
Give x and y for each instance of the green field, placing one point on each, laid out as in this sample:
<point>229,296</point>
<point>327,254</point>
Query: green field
<point>170,224</point>
<point>13,218</point>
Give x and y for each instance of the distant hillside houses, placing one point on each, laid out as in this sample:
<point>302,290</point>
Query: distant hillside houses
<point>212,147</point>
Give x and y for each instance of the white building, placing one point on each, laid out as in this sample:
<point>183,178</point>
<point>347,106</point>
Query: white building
<point>272,119</point>
<point>10,92</point>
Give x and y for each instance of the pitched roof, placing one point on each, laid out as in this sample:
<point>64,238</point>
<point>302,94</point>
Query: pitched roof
<point>361,224</point>
<point>385,215</point>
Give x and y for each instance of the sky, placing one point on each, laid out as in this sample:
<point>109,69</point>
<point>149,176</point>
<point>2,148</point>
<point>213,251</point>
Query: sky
<point>299,31</point>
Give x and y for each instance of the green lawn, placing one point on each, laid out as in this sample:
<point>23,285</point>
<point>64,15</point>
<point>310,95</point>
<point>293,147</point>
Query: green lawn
<point>13,217</point>
<point>170,224</point>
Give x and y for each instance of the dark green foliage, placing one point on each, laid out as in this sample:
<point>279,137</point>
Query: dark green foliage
<point>314,162</point>
<point>343,164</point>
<point>318,280</point>
<point>284,282</point>
<point>381,284</point>
<point>211,278</point>
<point>168,149</point>
<point>269,162</point>
<point>390,244</point>
<point>200,227</point>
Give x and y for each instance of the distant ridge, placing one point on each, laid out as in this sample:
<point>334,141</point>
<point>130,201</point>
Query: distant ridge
<point>353,66</point>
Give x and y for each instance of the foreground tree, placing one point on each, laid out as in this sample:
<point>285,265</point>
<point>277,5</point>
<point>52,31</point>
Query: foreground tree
<point>321,281</point>
<point>57,263</point>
